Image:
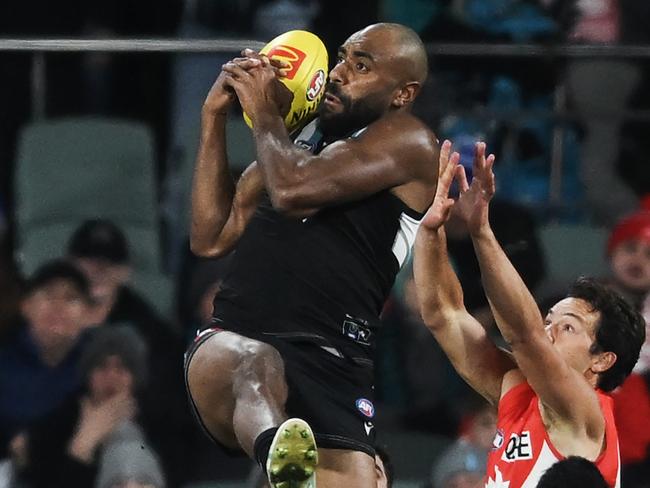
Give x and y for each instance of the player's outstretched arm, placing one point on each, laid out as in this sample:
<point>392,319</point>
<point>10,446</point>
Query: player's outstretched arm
<point>561,389</point>
<point>395,150</point>
<point>220,209</point>
<point>462,337</point>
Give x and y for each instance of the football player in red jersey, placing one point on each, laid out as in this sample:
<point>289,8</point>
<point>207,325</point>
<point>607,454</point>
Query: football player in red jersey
<point>551,391</point>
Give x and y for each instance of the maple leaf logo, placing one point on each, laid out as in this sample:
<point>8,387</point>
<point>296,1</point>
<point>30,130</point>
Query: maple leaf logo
<point>498,482</point>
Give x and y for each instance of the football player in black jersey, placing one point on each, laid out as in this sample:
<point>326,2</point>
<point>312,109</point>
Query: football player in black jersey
<point>319,230</point>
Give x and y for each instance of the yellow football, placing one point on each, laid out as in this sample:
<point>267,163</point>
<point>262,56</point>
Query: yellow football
<point>306,75</point>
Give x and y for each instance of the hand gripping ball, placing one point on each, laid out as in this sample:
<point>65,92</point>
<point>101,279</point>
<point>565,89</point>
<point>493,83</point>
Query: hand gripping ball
<point>306,75</point>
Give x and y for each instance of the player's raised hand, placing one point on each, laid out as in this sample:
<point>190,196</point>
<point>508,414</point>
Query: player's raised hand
<point>448,169</point>
<point>280,67</point>
<point>473,202</point>
<point>222,95</point>
<point>259,90</point>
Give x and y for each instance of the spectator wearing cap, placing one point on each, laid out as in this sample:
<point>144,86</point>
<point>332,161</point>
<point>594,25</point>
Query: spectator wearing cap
<point>38,363</point>
<point>100,249</point>
<point>98,436</point>
<point>628,249</point>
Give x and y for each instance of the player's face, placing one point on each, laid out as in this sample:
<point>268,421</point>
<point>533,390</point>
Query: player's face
<point>630,263</point>
<point>571,327</point>
<point>361,86</point>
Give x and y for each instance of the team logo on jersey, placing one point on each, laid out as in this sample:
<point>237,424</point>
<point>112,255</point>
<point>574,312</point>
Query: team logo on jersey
<point>290,55</point>
<point>315,85</point>
<point>498,481</point>
<point>498,440</point>
<point>519,447</point>
<point>366,407</point>
<point>305,145</point>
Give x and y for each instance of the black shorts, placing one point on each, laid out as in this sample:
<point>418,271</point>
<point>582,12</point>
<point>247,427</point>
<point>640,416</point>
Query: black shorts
<point>335,395</point>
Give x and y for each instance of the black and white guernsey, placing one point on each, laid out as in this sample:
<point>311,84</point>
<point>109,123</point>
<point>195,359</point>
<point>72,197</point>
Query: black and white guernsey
<point>323,279</point>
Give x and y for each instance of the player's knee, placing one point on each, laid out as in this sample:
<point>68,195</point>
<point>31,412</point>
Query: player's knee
<point>260,357</point>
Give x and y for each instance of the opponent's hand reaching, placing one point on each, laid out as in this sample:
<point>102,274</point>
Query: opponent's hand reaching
<point>256,81</point>
<point>473,202</point>
<point>448,169</point>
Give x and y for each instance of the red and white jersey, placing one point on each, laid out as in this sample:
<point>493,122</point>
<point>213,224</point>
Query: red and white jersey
<point>522,450</point>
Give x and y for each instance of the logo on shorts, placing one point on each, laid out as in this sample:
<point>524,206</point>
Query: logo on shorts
<point>357,329</point>
<point>290,55</point>
<point>316,85</point>
<point>366,407</point>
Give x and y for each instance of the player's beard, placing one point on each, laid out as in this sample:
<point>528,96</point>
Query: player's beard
<point>355,114</point>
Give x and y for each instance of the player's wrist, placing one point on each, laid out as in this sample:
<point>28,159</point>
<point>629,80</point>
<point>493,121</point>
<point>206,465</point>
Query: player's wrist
<point>268,120</point>
<point>215,111</point>
<point>482,232</point>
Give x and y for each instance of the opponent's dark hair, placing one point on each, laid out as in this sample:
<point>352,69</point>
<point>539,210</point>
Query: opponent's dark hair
<point>621,329</point>
<point>572,471</point>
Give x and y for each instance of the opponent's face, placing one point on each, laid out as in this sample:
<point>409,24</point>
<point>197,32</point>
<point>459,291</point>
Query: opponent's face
<point>571,327</point>
<point>110,378</point>
<point>630,262</point>
<point>362,85</point>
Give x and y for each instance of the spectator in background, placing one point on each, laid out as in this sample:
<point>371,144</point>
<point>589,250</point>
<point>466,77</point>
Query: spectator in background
<point>572,471</point>
<point>101,250</point>
<point>39,360</point>
<point>628,250</point>
<point>463,464</point>
<point>97,438</point>
<point>599,90</point>
<point>632,411</point>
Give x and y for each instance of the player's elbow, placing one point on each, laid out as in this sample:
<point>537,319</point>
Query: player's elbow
<point>204,249</point>
<point>288,201</point>
<point>436,318</point>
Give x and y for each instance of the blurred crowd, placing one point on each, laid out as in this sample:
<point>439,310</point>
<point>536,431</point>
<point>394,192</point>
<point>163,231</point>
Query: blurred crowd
<point>91,385</point>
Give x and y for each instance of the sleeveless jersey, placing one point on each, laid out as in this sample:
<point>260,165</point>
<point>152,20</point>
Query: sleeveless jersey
<point>522,449</point>
<point>322,279</point>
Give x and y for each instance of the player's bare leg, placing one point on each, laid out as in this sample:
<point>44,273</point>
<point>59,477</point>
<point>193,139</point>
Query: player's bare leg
<point>238,387</point>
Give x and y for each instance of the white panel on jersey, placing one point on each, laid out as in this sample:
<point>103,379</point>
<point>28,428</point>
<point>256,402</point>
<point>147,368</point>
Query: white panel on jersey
<point>545,460</point>
<point>405,238</point>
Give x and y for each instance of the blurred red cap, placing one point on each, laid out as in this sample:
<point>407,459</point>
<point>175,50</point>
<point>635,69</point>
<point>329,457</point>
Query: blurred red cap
<point>633,227</point>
